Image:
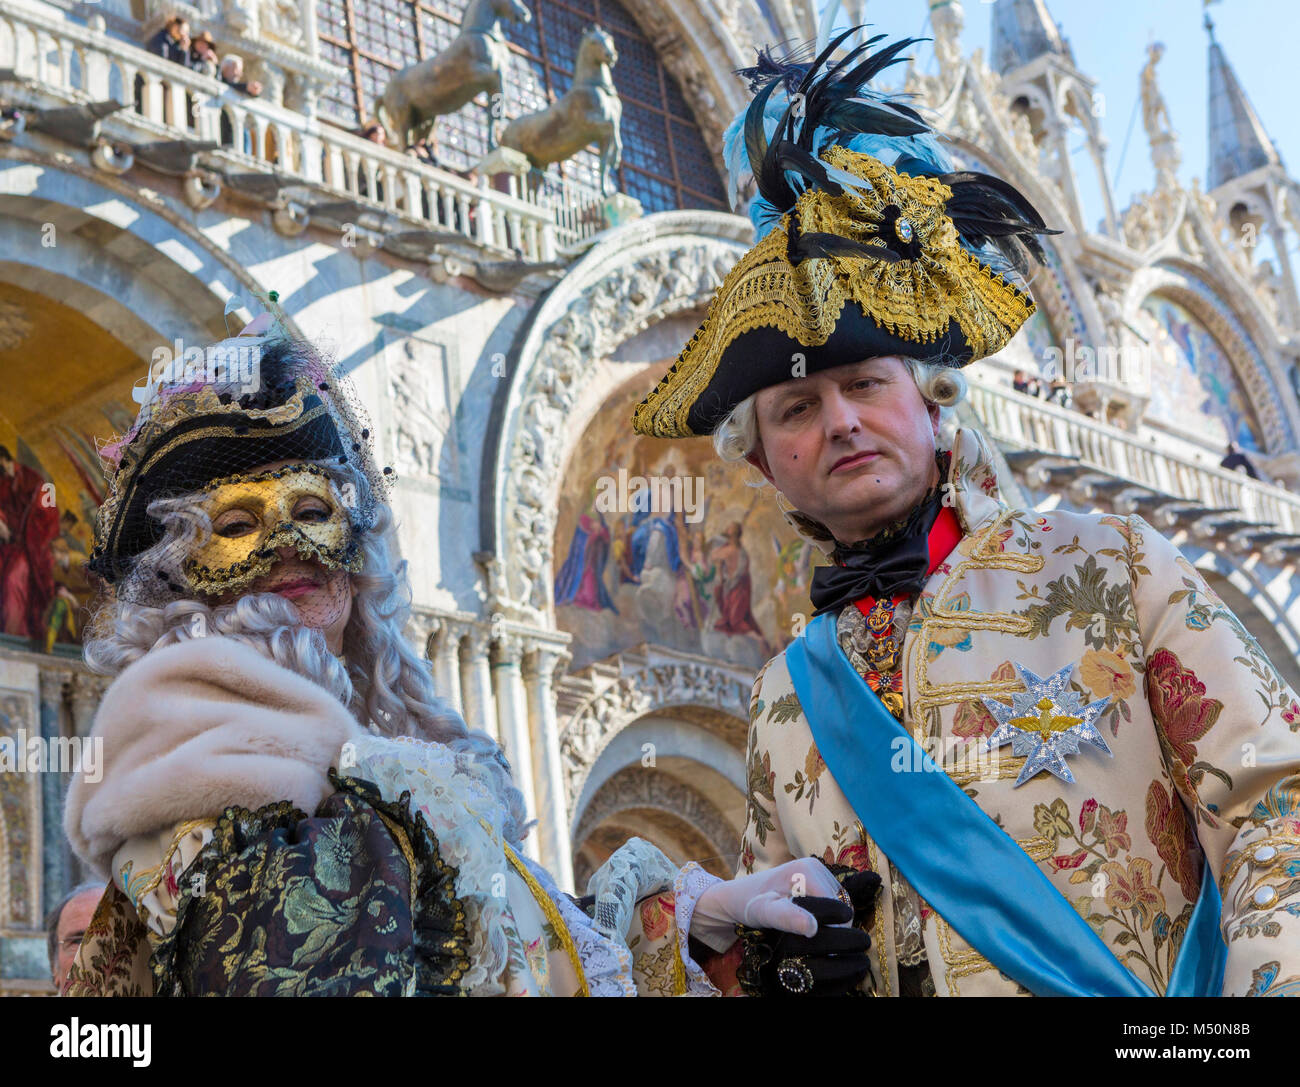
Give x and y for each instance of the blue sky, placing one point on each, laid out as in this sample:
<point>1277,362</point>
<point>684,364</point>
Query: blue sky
<point>1109,40</point>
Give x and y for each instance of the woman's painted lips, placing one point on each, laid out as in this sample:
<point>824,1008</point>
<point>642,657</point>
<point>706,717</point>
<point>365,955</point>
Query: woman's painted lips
<point>295,589</point>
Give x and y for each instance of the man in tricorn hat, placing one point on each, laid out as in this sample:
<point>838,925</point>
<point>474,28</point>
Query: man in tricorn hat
<point>1073,768</point>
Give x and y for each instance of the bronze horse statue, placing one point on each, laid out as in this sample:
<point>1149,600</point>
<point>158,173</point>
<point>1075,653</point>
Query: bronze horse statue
<point>589,112</point>
<point>474,62</point>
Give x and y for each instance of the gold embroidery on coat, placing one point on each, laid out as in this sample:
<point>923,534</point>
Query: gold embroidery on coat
<point>156,873</point>
<point>552,915</point>
<point>1278,841</point>
<point>965,963</point>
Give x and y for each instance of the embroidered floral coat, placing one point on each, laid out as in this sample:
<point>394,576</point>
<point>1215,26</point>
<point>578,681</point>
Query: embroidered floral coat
<point>1206,765</point>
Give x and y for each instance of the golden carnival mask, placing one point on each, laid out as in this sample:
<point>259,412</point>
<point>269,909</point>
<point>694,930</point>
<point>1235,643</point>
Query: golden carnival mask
<point>255,514</point>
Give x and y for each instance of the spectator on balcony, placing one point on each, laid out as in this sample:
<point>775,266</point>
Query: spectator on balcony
<point>232,74</point>
<point>203,55</point>
<point>172,42</point>
<point>1058,392</point>
<point>426,150</point>
<point>1237,461</point>
<point>374,132</point>
<point>1023,383</point>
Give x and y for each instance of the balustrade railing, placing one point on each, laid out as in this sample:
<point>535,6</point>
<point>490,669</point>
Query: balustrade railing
<point>166,101</point>
<point>1027,422</point>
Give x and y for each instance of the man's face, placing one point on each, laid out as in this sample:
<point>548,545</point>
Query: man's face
<point>851,446</point>
<point>73,920</point>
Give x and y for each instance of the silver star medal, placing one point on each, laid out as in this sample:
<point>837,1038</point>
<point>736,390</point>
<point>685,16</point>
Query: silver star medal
<point>1046,722</point>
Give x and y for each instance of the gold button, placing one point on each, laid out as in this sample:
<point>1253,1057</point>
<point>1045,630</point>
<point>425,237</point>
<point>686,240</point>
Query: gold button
<point>1264,854</point>
<point>1265,896</point>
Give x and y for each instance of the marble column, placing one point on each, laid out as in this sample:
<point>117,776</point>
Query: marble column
<point>552,812</point>
<point>476,683</point>
<point>512,710</point>
<point>83,693</point>
<point>444,652</point>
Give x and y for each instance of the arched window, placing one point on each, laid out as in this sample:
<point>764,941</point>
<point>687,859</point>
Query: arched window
<point>666,163</point>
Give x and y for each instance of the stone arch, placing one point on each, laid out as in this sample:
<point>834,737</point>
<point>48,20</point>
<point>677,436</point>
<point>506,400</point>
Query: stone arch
<point>1037,106</point>
<point>1074,100</point>
<point>658,738</point>
<point>641,273</point>
<point>137,268</point>
<point>689,708</point>
<point>1208,303</point>
<point>659,804</point>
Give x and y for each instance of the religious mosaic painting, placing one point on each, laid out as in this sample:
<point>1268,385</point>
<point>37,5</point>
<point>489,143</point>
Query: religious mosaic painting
<point>54,405</point>
<point>659,541</point>
<point>1193,378</point>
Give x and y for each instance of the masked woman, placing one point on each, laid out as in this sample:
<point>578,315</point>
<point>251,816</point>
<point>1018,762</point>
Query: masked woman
<point>286,806</point>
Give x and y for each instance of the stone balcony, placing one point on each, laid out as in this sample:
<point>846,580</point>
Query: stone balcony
<point>128,107</point>
<point>1098,465</point>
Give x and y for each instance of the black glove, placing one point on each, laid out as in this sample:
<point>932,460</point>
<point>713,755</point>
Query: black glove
<point>831,963</point>
<point>862,888</point>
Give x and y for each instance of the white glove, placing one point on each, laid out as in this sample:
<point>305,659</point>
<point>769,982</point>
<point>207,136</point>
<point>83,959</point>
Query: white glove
<point>762,900</point>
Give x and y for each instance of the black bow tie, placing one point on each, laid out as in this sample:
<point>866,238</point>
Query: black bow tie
<point>896,560</point>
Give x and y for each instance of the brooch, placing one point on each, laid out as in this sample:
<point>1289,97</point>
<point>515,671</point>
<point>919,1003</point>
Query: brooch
<point>1046,722</point>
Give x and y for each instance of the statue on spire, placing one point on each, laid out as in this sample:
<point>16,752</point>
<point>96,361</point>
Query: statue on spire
<point>1165,155</point>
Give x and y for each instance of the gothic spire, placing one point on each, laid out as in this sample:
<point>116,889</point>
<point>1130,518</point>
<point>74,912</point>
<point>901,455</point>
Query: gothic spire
<point>1022,31</point>
<point>1238,143</point>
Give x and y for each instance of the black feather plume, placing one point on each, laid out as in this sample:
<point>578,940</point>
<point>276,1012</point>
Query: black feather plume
<point>986,209</point>
<point>801,247</point>
<point>823,95</point>
<point>832,97</point>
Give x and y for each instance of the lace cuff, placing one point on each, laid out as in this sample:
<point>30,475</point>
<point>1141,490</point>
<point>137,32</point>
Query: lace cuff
<point>636,869</point>
<point>606,963</point>
<point>691,882</point>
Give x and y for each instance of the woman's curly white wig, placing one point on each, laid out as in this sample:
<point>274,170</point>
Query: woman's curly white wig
<point>386,684</point>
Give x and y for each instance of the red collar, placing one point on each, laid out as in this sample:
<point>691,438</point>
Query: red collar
<point>945,534</point>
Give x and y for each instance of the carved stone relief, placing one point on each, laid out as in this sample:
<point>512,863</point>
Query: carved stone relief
<point>20,817</point>
<point>635,787</point>
<point>427,443</point>
<point>656,687</point>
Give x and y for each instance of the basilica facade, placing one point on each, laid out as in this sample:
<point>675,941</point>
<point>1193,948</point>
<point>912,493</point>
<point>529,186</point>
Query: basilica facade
<point>598,602</point>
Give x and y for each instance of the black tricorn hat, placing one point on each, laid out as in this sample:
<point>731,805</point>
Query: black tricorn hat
<point>863,258</point>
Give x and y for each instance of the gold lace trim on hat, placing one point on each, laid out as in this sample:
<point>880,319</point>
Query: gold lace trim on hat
<point>151,442</point>
<point>913,299</point>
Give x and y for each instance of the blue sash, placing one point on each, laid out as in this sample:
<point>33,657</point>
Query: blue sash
<point>960,861</point>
